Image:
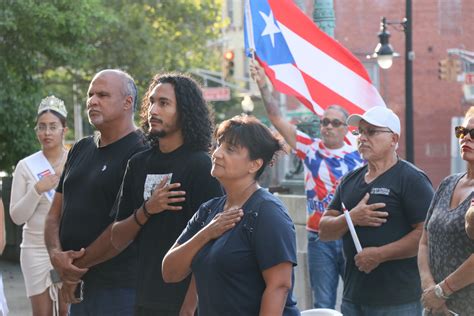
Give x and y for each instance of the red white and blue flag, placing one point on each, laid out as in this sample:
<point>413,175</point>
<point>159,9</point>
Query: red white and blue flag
<point>305,62</point>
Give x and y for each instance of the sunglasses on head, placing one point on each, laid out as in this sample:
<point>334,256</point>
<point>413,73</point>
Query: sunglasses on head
<point>461,132</point>
<point>335,122</point>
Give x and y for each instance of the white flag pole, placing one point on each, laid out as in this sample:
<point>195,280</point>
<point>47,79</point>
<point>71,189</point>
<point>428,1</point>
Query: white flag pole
<point>249,25</point>
<point>350,224</point>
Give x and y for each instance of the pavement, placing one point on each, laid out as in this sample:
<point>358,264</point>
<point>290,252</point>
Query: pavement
<point>14,288</point>
<point>19,304</point>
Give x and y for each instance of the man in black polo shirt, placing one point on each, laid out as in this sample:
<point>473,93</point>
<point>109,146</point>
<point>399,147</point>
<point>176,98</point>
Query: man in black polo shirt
<point>154,213</point>
<point>78,226</point>
<point>387,201</point>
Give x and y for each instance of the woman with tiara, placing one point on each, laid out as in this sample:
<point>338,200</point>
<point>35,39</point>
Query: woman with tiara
<point>34,181</point>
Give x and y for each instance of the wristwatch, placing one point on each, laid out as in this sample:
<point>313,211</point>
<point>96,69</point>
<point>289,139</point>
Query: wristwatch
<point>438,290</point>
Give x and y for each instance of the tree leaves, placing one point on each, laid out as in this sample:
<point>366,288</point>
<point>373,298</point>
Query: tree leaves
<point>49,46</point>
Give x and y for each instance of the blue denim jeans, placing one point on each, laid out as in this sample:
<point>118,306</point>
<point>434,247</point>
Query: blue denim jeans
<point>410,309</point>
<point>105,302</point>
<point>326,264</point>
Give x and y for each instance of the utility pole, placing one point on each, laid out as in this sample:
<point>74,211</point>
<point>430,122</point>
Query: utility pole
<point>78,133</point>
<point>409,55</point>
<point>324,17</point>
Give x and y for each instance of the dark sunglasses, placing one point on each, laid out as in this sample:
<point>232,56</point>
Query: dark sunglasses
<point>461,132</point>
<point>335,123</point>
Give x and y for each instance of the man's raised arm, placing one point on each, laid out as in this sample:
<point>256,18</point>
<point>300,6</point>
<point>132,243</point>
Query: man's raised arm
<point>285,128</point>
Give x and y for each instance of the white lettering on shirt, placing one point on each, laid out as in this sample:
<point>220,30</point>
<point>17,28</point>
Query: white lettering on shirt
<point>380,191</point>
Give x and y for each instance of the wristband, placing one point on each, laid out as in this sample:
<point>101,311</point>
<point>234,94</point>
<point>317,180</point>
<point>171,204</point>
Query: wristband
<point>145,211</point>
<point>136,218</point>
<point>447,285</point>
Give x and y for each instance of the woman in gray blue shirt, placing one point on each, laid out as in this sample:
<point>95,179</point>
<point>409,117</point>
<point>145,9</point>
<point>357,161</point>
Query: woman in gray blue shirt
<point>241,248</point>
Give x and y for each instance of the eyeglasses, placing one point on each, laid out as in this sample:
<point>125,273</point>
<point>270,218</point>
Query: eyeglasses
<point>335,123</point>
<point>369,132</point>
<point>461,132</point>
<point>43,128</point>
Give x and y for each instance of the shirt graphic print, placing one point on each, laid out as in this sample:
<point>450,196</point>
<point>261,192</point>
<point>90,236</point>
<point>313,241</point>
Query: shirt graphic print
<point>152,181</point>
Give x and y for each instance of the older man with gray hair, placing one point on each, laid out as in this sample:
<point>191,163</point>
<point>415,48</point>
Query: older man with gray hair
<point>387,201</point>
<point>78,225</point>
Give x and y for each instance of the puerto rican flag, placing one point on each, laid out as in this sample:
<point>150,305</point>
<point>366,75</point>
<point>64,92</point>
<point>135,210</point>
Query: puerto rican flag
<point>305,62</point>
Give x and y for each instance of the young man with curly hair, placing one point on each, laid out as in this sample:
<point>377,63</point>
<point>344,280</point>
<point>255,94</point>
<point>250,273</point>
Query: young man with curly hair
<point>164,186</point>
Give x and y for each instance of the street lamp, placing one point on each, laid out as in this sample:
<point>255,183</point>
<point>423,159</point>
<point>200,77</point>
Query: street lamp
<point>247,105</point>
<point>384,54</point>
<point>384,51</point>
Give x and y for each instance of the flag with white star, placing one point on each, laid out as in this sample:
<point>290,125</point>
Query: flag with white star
<point>303,61</point>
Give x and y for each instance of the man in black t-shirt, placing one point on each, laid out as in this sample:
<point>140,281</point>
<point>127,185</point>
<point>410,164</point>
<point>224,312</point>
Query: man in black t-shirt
<point>78,225</point>
<point>387,201</point>
<point>163,187</point>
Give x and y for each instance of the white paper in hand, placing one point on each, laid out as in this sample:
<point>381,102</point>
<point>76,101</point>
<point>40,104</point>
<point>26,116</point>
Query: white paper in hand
<point>350,224</point>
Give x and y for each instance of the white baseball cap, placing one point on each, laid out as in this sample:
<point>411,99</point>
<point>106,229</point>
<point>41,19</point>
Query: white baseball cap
<point>379,116</point>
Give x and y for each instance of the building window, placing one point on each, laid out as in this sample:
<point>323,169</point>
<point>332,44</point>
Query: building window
<point>374,73</point>
<point>449,16</point>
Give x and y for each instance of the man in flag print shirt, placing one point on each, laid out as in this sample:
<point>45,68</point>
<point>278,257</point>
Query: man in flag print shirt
<point>325,160</point>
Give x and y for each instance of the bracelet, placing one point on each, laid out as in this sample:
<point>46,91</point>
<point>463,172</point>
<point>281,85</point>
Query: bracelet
<point>145,211</point>
<point>136,218</point>
<point>447,285</point>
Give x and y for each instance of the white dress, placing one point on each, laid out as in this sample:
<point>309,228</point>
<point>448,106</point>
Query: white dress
<point>30,208</point>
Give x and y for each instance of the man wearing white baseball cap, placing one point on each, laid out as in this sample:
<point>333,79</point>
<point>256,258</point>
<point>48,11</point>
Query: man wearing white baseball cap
<point>387,200</point>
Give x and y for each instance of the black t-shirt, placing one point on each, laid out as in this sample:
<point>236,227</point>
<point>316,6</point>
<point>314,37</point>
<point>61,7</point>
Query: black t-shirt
<point>144,170</point>
<point>407,193</point>
<point>90,183</point>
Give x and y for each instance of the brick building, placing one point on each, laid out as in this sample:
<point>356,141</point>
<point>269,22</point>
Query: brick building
<point>438,25</point>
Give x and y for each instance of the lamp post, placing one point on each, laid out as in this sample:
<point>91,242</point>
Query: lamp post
<point>247,105</point>
<point>385,54</point>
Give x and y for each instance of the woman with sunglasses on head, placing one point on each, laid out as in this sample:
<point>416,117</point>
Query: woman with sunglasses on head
<point>34,180</point>
<point>445,257</point>
<point>241,248</point>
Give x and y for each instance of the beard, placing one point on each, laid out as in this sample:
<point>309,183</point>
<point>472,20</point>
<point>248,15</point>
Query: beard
<point>154,136</point>
<point>157,134</point>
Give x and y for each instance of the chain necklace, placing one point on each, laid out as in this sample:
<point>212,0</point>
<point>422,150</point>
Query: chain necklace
<point>245,194</point>
<point>58,163</point>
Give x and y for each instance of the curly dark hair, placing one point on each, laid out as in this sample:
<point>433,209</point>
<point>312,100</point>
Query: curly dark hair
<point>194,114</point>
<point>247,131</point>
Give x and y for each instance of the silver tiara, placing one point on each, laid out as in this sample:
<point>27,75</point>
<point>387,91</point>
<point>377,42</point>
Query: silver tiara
<point>54,104</point>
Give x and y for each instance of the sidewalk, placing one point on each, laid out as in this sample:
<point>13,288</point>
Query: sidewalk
<point>19,304</point>
<point>14,287</point>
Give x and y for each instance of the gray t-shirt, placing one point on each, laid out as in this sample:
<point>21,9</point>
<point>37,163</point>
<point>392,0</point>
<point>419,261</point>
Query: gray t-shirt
<point>449,245</point>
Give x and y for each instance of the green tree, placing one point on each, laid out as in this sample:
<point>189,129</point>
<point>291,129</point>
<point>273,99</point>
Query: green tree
<point>35,36</point>
<point>147,37</point>
<point>49,46</point>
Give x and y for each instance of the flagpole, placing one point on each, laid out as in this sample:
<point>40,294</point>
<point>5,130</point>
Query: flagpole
<point>250,37</point>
